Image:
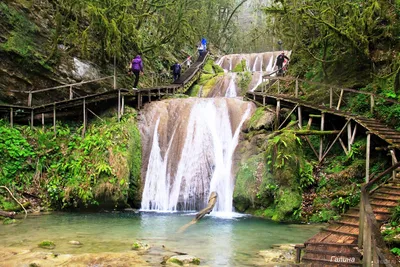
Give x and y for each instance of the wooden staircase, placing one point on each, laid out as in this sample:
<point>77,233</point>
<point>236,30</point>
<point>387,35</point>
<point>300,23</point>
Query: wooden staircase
<point>337,244</point>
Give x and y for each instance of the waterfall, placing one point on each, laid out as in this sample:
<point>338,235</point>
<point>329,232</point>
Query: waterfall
<point>188,144</point>
<point>231,90</point>
<point>197,158</point>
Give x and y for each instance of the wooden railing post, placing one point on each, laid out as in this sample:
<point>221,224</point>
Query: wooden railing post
<point>278,110</point>
<point>71,93</point>
<point>340,99</point>
<point>11,117</point>
<point>30,100</point>
<point>115,73</point>
<point>54,119</point>
<point>367,160</point>
<point>372,103</point>
<point>296,92</point>
<point>119,105</point>
<point>330,97</point>
<point>361,218</point>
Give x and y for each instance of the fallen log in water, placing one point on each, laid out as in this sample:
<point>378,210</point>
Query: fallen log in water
<point>7,214</point>
<point>211,203</point>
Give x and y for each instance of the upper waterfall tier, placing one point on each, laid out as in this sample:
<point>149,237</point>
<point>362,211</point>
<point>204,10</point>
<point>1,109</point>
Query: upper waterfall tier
<point>254,62</point>
<point>188,146</point>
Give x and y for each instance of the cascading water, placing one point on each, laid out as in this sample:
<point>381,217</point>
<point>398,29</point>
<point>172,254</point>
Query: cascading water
<point>188,144</point>
<point>205,149</point>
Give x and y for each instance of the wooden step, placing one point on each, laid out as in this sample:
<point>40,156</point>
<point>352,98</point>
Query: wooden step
<point>340,232</point>
<point>344,223</point>
<point>354,254</point>
<point>330,244</point>
<point>394,193</point>
<point>385,197</point>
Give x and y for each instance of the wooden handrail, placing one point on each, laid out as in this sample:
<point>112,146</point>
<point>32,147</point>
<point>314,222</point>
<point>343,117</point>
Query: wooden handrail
<point>66,85</point>
<point>369,237</point>
<point>331,86</point>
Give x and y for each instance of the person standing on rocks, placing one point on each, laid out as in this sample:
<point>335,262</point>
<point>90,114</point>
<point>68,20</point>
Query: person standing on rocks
<point>137,70</point>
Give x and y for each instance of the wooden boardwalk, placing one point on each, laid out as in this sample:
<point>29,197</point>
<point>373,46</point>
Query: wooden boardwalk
<point>338,243</point>
<point>79,107</point>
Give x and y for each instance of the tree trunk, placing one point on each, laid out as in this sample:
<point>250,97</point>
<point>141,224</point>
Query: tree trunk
<point>7,214</point>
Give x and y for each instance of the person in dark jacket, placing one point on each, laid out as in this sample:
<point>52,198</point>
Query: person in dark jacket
<point>137,69</point>
<point>176,70</point>
<point>279,61</point>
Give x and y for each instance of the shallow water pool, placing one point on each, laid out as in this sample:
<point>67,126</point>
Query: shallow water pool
<point>217,241</point>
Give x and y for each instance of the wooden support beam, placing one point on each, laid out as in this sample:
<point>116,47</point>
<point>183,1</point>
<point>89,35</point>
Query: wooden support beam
<point>54,119</point>
<point>349,137</point>
<point>394,161</point>
<point>334,141</point>
<point>343,146</point>
<point>123,106</point>
<point>367,161</point>
<point>159,94</point>
<point>296,90</point>
<point>311,145</point>
<point>42,121</point>
<point>340,99</point>
<point>149,96</point>
<point>321,140</point>
<point>309,123</point>
<point>315,132</point>
<point>119,105</point>
<point>278,110</point>
<point>11,117</point>
<point>263,100</point>
<point>330,97</point>
<point>353,136</point>
<point>30,100</point>
<point>299,116</point>
<point>71,93</point>
<point>372,103</point>
<point>288,116</point>
<point>314,116</point>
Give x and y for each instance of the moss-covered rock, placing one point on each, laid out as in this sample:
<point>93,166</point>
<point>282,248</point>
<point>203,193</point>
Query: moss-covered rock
<point>183,260</point>
<point>47,244</point>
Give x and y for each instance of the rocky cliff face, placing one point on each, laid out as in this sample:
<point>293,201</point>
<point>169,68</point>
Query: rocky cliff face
<point>32,59</point>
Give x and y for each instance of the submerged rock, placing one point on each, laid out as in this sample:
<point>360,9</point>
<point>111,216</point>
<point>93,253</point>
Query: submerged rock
<point>183,260</point>
<point>140,246</point>
<point>284,253</point>
<point>76,243</point>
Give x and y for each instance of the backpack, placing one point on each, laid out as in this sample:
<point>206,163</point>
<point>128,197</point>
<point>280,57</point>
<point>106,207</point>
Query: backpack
<point>177,68</point>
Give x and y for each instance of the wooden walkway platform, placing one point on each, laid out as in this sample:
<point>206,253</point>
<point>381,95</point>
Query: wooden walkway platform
<point>81,105</point>
<point>381,130</point>
<point>337,244</point>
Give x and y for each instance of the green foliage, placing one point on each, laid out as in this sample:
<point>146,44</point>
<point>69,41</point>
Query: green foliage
<point>344,203</point>
<point>103,166</point>
<point>323,215</point>
<point>47,244</point>
<point>260,111</point>
<point>306,175</point>
<point>240,67</point>
<point>396,215</point>
<point>17,156</point>
<point>244,82</point>
<point>395,251</point>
